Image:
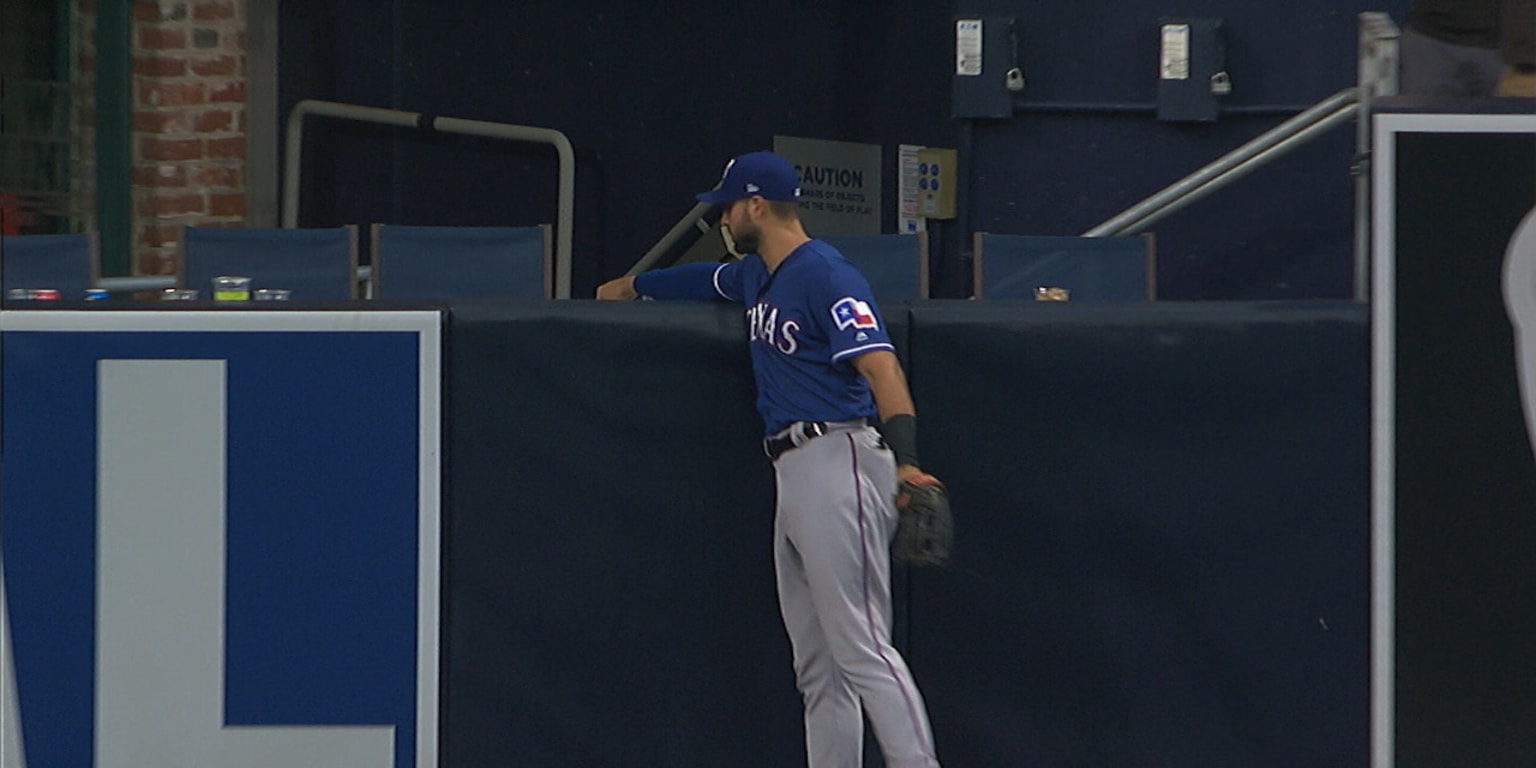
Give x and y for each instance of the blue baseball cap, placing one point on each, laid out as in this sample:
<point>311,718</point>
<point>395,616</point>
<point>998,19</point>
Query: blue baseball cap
<point>760,173</point>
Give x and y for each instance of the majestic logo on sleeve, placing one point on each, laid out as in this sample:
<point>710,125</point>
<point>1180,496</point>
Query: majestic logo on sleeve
<point>849,312</point>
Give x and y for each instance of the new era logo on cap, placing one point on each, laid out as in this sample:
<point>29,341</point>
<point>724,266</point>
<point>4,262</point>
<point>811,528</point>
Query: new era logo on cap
<point>760,173</point>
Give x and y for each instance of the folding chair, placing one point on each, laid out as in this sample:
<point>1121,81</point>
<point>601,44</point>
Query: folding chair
<point>69,263</point>
<point>895,265</point>
<point>445,263</point>
<point>315,264</point>
<point>1089,268</point>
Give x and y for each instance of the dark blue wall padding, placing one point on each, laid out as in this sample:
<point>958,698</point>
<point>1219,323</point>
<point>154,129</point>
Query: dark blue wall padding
<point>1162,557</point>
<point>1464,532</point>
<point>610,599</point>
<point>1163,516</point>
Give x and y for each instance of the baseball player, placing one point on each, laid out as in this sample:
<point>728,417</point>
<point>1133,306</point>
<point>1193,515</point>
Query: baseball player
<point>826,373</point>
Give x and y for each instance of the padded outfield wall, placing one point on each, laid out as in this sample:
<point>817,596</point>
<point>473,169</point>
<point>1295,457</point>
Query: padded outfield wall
<point>1164,534</point>
<point>1163,545</point>
<point>1163,537</point>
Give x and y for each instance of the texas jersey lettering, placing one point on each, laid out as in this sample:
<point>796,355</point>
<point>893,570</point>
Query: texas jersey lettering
<point>763,327</point>
<point>806,323</point>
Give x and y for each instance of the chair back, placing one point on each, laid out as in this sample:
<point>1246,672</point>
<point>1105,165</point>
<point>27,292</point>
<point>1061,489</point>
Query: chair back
<point>436,263</point>
<point>69,263</point>
<point>315,264</point>
<point>896,266</point>
<point>1089,268</point>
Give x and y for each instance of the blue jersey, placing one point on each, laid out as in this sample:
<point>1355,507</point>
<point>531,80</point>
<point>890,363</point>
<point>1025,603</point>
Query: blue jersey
<point>805,323</point>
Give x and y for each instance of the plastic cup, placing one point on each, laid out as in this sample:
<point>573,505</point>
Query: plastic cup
<point>231,288</point>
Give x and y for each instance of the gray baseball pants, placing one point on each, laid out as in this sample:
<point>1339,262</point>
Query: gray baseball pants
<point>832,532</point>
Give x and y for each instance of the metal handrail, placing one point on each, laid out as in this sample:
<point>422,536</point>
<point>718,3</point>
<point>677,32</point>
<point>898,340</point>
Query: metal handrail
<point>1261,149</point>
<point>693,219</point>
<point>293,153</point>
<point>1236,166</point>
<point>161,282</point>
<point>136,283</point>
<point>1377,77</point>
<point>1281,139</point>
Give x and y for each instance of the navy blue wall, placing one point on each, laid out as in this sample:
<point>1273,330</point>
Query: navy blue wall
<point>656,98</point>
<point>1162,550</point>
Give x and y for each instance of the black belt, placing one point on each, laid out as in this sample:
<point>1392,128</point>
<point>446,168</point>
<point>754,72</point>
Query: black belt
<point>800,433</point>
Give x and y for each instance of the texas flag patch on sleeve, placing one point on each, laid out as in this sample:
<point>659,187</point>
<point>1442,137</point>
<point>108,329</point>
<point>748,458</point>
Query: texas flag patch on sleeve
<point>849,312</point>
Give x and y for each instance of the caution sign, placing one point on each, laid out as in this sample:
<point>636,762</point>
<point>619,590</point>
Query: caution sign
<point>840,184</point>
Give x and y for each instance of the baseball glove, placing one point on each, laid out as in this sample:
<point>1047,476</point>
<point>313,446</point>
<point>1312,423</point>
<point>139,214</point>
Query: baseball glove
<point>925,529</point>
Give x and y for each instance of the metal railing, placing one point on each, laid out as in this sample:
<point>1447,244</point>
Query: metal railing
<point>566,194</point>
<point>1269,145</point>
<point>136,283</point>
<point>293,167</point>
<point>694,219</point>
<point>1377,77</point>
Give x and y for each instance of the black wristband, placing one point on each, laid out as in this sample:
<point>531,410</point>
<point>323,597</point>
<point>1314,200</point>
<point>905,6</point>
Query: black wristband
<point>900,433</point>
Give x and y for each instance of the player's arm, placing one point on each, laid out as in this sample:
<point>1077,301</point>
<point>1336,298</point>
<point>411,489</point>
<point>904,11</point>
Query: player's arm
<point>700,281</point>
<point>886,382</point>
<point>898,415</point>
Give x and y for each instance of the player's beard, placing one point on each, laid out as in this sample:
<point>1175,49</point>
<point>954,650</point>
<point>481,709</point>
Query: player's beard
<point>744,242</point>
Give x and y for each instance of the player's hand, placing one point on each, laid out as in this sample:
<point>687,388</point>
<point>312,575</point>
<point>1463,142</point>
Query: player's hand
<point>906,473</point>
<point>618,289</point>
<point>925,526</point>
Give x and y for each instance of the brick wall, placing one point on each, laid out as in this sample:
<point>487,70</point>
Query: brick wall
<point>188,140</point>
